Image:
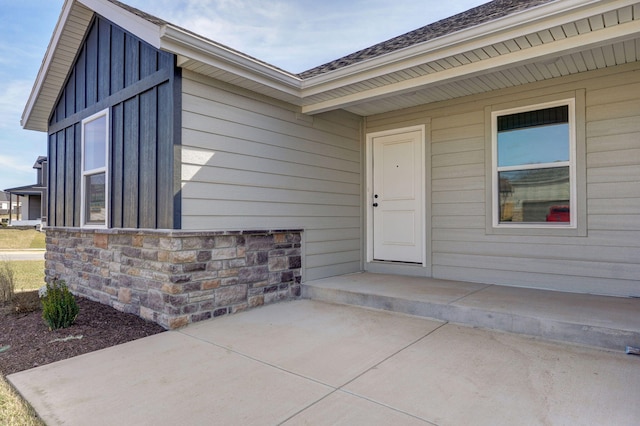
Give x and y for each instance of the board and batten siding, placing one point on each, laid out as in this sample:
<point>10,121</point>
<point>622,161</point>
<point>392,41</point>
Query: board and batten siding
<point>117,71</point>
<point>606,260</point>
<point>252,163</point>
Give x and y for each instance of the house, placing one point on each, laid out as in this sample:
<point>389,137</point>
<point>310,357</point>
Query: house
<point>5,208</point>
<point>32,210</point>
<point>189,180</point>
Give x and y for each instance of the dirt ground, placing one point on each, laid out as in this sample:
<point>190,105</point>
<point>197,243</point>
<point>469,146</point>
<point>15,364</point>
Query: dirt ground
<point>27,342</point>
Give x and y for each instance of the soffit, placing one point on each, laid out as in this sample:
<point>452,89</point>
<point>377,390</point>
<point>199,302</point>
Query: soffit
<point>63,47</point>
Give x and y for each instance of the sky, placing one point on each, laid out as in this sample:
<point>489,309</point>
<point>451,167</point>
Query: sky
<point>294,35</point>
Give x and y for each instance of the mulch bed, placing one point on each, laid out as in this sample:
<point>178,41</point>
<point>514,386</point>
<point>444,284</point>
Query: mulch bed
<point>27,342</point>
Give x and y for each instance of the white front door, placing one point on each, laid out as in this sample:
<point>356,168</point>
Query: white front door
<point>397,196</point>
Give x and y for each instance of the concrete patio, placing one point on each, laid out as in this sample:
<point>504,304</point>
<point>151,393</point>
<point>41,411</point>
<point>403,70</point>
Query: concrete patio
<point>600,321</point>
<point>311,362</point>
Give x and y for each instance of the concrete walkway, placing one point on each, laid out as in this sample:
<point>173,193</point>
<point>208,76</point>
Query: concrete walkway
<point>310,362</point>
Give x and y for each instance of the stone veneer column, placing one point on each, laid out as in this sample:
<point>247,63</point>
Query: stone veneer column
<point>176,277</point>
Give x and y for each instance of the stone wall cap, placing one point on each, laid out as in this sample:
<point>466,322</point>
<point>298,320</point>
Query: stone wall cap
<point>172,232</point>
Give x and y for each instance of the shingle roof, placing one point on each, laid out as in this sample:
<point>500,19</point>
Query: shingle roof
<point>484,13</point>
<point>140,13</point>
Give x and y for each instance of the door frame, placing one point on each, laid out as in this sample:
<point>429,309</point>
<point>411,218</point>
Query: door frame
<point>388,266</point>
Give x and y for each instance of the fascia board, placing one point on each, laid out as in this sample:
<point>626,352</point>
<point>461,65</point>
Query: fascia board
<point>530,21</point>
<point>44,68</point>
<point>591,40</point>
<point>183,43</point>
<point>136,25</point>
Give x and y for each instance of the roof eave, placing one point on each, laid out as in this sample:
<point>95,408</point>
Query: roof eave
<point>186,44</point>
<point>511,26</point>
<point>478,36</point>
<point>26,190</point>
<point>162,36</point>
<point>25,120</point>
<point>142,28</point>
<point>191,47</point>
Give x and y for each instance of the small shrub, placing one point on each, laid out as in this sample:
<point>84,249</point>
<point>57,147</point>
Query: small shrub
<point>59,307</point>
<point>7,282</point>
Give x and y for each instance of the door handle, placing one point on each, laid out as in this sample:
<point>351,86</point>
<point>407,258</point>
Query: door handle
<point>375,204</point>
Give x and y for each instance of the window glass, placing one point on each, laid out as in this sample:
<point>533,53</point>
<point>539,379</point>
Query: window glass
<point>95,141</point>
<point>94,183</point>
<point>533,167</point>
<point>533,145</point>
<point>95,198</point>
<point>535,195</point>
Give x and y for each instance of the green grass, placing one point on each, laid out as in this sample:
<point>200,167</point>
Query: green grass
<point>18,239</point>
<point>29,274</point>
<point>14,411</point>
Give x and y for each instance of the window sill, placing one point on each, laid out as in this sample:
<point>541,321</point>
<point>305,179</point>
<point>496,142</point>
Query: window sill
<point>537,230</point>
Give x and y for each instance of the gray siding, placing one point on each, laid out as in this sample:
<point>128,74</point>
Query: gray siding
<point>35,207</point>
<point>249,163</point>
<point>606,260</point>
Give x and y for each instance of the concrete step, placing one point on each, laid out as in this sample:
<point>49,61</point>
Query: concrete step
<point>600,321</point>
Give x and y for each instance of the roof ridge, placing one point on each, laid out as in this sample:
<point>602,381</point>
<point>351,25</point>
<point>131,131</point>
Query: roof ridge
<point>142,14</point>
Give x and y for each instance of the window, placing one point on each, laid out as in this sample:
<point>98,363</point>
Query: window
<point>95,143</point>
<point>534,179</point>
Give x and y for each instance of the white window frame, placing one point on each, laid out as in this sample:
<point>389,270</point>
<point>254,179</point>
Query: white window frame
<point>84,173</point>
<point>495,196</point>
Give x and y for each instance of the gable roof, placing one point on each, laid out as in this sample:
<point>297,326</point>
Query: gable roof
<point>500,44</point>
<point>41,159</point>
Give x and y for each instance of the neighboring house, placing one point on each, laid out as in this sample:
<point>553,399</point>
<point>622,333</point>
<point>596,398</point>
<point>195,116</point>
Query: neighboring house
<point>31,199</point>
<point>5,207</point>
<point>189,180</point>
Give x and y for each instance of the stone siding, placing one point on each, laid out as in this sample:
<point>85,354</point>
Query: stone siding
<point>176,277</point>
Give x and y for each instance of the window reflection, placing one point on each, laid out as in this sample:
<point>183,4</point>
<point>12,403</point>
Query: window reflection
<point>534,145</point>
<point>95,143</point>
<point>535,195</point>
<point>95,196</point>
<point>533,166</point>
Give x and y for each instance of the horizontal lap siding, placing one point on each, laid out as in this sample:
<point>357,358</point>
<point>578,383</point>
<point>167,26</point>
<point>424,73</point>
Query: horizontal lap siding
<point>457,171</point>
<point>606,261</point>
<point>250,164</point>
